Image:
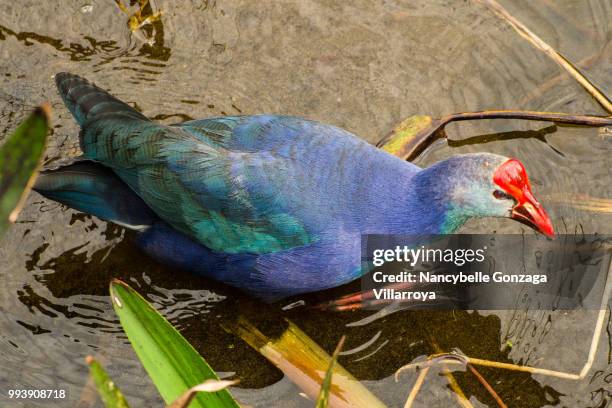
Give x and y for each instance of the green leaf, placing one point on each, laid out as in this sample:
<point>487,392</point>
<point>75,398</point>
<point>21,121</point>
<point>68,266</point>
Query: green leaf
<point>323,399</point>
<point>20,157</point>
<point>171,362</point>
<point>111,395</point>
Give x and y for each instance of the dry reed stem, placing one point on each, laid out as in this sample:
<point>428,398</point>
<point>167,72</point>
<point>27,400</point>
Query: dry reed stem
<point>551,52</point>
<point>416,387</point>
<point>416,144</point>
<point>455,358</point>
<point>487,386</point>
<point>459,394</point>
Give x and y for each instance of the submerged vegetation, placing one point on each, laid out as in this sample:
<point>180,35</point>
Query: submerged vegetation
<point>20,157</point>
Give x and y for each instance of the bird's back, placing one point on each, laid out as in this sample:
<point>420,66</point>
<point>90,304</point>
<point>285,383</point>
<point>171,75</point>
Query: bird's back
<point>253,184</point>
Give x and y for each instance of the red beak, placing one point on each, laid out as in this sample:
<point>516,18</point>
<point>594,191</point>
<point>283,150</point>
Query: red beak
<point>512,178</point>
<point>531,213</point>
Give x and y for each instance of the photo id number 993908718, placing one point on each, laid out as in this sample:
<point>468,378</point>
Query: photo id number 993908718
<point>49,393</point>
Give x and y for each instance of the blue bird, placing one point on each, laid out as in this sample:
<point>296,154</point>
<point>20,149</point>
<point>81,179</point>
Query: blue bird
<point>273,205</point>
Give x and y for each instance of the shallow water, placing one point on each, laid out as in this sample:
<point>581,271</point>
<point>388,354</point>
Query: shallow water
<point>363,66</point>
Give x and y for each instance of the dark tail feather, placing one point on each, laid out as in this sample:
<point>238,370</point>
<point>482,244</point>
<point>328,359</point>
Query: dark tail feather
<point>87,102</point>
<point>94,189</point>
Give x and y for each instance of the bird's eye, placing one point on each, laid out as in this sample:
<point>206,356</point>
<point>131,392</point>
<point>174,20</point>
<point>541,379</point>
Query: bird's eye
<point>501,195</point>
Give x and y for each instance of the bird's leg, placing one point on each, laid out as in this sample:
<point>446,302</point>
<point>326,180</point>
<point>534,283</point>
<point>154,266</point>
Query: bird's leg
<point>367,298</point>
<point>359,300</point>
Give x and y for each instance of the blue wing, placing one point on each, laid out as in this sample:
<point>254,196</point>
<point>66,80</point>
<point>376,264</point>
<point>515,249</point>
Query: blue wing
<point>256,184</point>
<point>226,200</point>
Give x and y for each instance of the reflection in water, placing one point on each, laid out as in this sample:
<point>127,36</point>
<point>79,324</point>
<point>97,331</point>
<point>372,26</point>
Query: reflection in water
<point>539,134</point>
<point>76,52</point>
<point>107,51</point>
<point>202,311</point>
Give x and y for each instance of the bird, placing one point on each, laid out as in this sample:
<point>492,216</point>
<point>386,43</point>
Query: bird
<point>273,205</point>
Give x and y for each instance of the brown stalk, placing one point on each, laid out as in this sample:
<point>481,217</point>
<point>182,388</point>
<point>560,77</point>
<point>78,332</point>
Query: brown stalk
<point>551,52</point>
<point>416,387</point>
<point>454,358</point>
<point>488,387</point>
<point>461,398</point>
<point>424,138</point>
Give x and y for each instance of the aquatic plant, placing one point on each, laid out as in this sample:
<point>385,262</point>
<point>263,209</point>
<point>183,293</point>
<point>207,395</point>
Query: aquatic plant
<point>171,362</point>
<point>20,158</point>
<point>184,378</point>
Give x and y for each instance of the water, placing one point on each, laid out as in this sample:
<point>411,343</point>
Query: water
<point>362,66</point>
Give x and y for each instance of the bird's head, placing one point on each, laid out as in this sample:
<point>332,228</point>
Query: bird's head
<point>487,185</point>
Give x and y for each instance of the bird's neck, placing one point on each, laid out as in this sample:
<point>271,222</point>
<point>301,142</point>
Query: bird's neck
<point>421,204</point>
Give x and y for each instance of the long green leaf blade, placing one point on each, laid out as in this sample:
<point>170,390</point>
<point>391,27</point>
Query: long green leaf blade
<point>323,398</point>
<point>20,156</point>
<point>171,362</point>
<point>109,392</point>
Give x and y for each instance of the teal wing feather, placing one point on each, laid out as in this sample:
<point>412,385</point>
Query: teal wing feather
<point>218,131</point>
<point>230,201</point>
